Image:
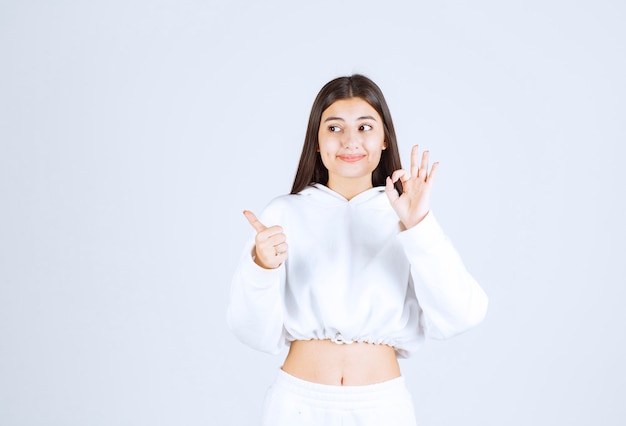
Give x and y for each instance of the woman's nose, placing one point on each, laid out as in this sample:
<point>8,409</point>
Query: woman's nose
<point>351,139</point>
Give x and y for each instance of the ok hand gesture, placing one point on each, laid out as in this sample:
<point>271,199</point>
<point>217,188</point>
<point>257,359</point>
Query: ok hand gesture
<point>270,243</point>
<point>414,203</point>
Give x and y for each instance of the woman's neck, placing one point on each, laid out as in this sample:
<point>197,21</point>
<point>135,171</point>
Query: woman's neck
<point>349,188</point>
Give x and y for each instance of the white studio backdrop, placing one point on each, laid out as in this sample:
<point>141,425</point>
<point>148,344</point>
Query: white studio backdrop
<point>133,133</point>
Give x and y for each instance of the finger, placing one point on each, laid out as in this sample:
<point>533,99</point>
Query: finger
<point>423,170</point>
<point>392,194</point>
<point>400,174</point>
<point>280,249</point>
<point>271,258</point>
<point>275,236</point>
<point>415,160</point>
<point>433,171</point>
<point>258,226</point>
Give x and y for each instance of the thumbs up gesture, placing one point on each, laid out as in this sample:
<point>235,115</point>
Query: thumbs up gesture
<point>270,243</point>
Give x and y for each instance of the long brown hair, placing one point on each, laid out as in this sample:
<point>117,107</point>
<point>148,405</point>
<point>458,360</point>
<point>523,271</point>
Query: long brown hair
<point>310,168</point>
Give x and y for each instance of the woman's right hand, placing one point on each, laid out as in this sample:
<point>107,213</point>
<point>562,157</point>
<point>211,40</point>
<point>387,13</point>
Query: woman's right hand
<point>270,243</point>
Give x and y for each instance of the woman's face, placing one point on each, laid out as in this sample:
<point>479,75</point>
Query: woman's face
<point>351,140</point>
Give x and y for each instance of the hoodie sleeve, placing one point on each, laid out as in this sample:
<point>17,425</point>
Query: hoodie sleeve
<point>255,310</point>
<point>451,300</point>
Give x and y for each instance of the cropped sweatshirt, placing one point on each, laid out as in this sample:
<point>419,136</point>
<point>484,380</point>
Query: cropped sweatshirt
<point>352,275</point>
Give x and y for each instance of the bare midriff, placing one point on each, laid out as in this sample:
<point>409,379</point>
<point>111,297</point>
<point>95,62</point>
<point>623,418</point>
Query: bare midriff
<point>329,363</point>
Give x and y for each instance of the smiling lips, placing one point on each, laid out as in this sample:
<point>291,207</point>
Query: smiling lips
<point>351,158</point>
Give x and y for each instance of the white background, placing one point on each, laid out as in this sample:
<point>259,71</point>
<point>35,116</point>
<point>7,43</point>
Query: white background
<point>133,133</point>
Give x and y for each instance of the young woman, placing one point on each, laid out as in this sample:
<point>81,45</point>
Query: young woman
<point>351,270</point>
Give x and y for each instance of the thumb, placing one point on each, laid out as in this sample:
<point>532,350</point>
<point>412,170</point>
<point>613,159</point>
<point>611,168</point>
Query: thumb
<point>258,226</point>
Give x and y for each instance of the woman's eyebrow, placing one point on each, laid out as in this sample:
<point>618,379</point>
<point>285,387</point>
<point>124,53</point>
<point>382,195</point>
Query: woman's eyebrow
<point>333,118</point>
<point>365,117</point>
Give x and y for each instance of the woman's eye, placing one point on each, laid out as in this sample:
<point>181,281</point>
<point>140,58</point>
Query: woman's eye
<point>334,128</point>
<point>365,127</point>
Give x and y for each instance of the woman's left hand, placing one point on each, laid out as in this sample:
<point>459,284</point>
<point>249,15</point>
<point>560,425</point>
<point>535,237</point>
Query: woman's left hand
<point>414,203</point>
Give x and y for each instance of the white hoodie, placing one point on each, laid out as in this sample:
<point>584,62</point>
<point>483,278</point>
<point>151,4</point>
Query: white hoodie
<point>352,275</point>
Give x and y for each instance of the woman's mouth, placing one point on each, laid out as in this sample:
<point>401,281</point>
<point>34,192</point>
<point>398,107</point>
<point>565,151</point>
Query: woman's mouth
<point>351,158</point>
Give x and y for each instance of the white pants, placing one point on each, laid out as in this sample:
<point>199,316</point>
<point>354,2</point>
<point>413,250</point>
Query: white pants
<point>295,402</point>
